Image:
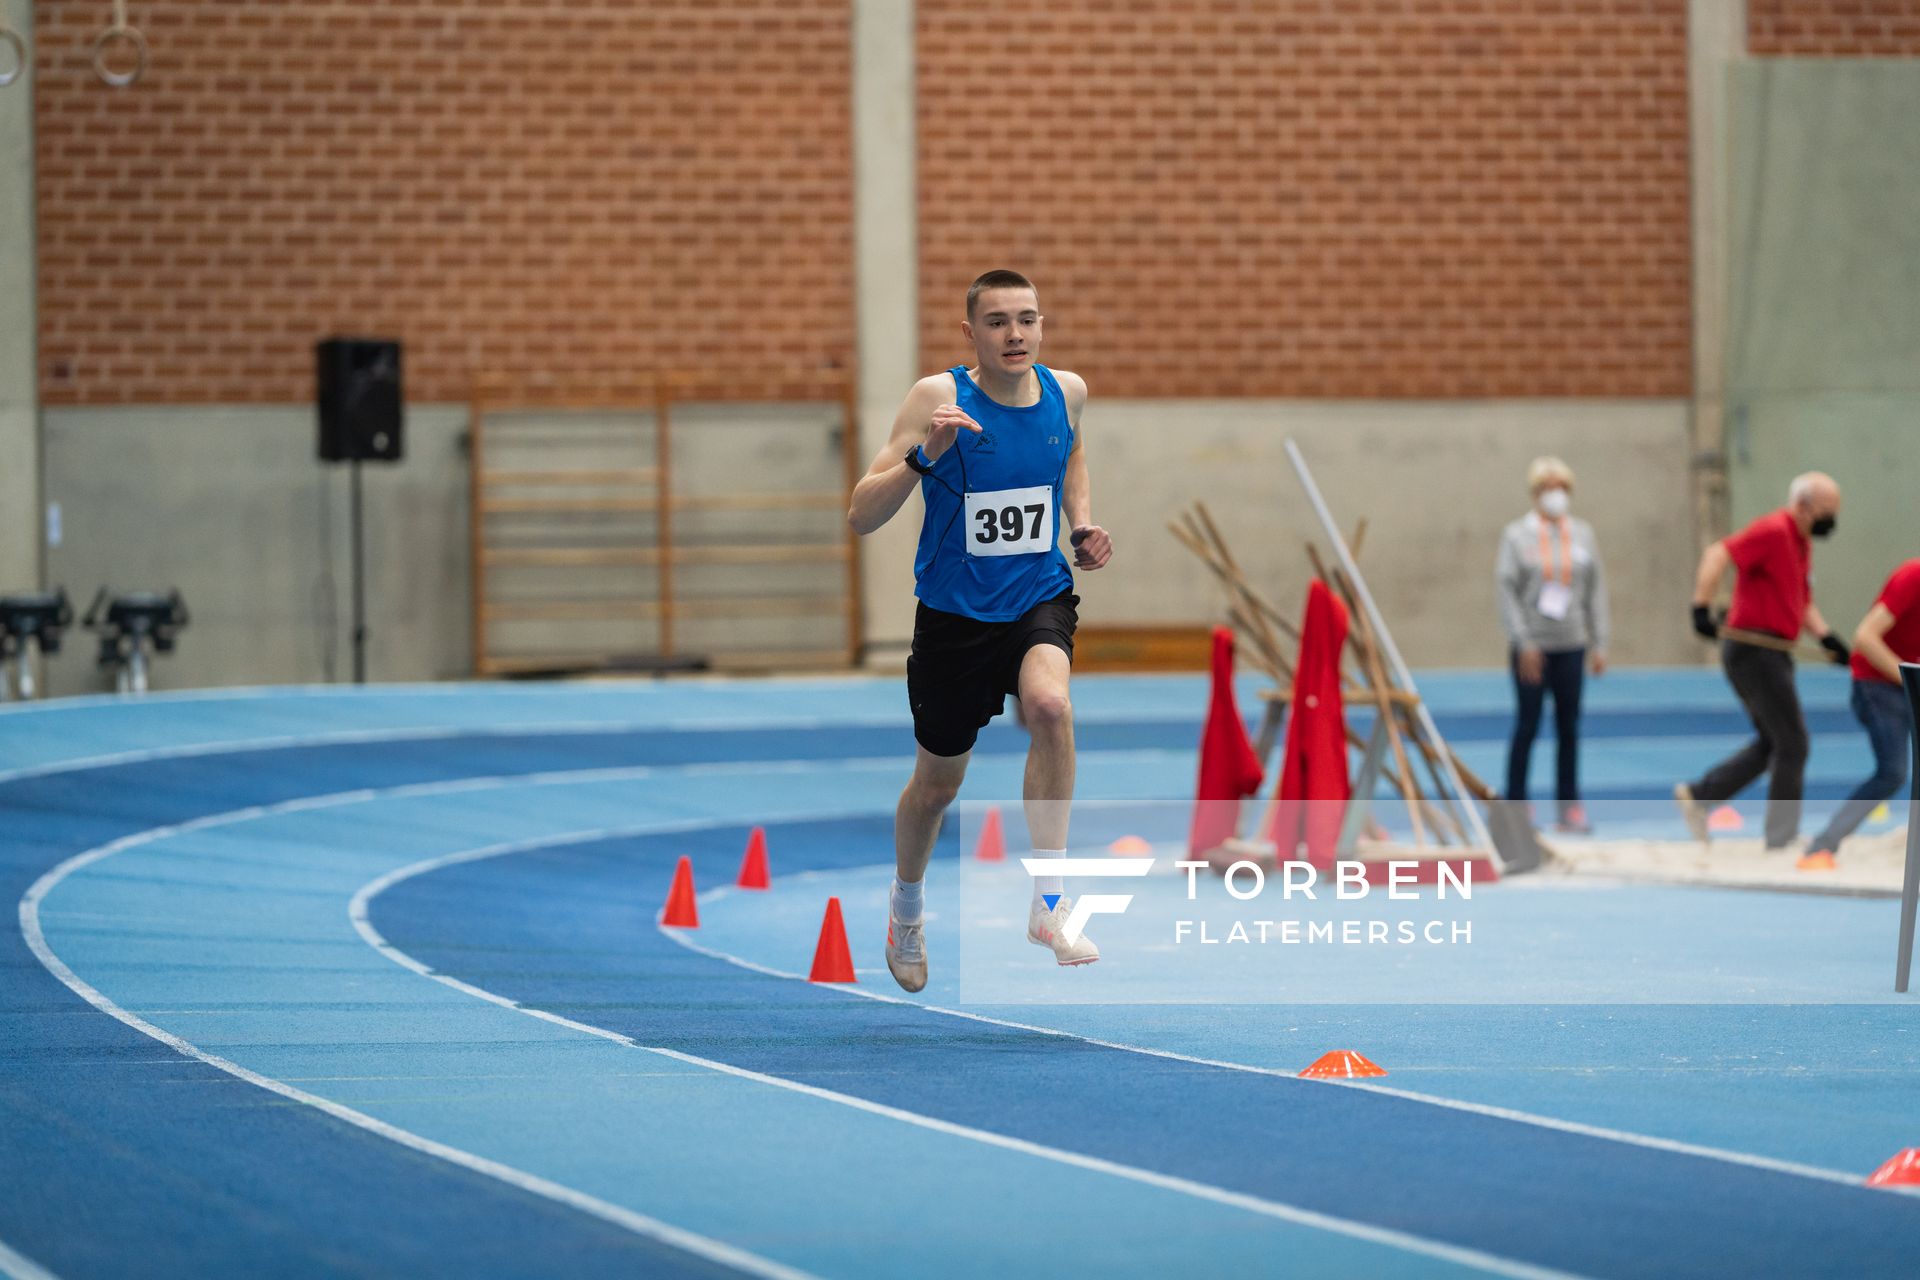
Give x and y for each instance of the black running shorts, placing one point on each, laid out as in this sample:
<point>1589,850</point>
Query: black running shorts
<point>962,669</point>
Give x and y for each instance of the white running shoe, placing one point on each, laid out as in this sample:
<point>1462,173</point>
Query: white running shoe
<point>1045,929</point>
<point>907,953</point>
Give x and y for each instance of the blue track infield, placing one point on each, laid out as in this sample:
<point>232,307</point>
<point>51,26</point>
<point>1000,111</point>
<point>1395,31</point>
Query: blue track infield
<point>297,1102</point>
<point>1469,1179</point>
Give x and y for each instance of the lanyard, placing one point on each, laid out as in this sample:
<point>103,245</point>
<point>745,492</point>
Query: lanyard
<point>1566,555</point>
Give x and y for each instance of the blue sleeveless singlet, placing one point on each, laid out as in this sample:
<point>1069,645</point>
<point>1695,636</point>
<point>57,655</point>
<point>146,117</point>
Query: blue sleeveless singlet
<point>989,541</point>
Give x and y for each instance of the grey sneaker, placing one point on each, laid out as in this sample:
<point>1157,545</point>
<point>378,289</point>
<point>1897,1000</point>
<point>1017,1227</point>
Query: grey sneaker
<point>1693,811</point>
<point>907,953</point>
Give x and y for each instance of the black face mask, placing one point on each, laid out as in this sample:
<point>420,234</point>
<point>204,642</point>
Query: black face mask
<point>1823,527</point>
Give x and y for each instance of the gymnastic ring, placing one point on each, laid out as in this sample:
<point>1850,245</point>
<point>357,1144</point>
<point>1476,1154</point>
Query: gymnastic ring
<point>11,38</point>
<point>101,42</point>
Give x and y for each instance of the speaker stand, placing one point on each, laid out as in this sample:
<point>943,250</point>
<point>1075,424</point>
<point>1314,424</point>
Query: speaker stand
<point>359,580</point>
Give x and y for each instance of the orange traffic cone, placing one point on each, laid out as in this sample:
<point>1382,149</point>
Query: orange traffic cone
<point>832,962</point>
<point>1341,1064</point>
<point>753,867</point>
<point>1901,1171</point>
<point>993,842</point>
<point>680,911</point>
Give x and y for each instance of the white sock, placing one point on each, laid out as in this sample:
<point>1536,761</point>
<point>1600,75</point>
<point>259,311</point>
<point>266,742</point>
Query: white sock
<point>1047,886</point>
<point>909,900</point>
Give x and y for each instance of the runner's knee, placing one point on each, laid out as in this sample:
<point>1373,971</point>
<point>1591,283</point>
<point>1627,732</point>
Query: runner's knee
<point>933,793</point>
<point>1048,711</point>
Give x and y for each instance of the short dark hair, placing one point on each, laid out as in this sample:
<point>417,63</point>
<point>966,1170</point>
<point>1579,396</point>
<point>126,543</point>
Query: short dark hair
<point>997,279</point>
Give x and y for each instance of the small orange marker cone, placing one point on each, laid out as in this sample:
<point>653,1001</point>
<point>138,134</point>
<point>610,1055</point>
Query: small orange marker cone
<point>1341,1064</point>
<point>832,962</point>
<point>681,913</point>
<point>993,842</point>
<point>1725,818</point>
<point>1901,1171</point>
<point>1130,847</point>
<point>753,867</point>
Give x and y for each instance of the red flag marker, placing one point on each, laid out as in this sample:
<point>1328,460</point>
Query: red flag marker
<point>1230,769</point>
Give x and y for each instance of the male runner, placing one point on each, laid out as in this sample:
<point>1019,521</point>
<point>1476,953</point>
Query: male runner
<point>996,453</point>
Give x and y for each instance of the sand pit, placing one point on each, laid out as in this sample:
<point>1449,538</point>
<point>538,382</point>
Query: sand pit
<point>1869,865</point>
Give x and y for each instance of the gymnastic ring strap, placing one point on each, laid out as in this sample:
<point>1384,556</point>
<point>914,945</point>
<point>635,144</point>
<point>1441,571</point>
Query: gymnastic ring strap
<point>11,39</point>
<point>118,32</point>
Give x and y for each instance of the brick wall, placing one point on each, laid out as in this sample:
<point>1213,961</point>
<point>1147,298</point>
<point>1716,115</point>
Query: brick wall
<point>1405,198</point>
<point>1834,28</point>
<point>506,185</point>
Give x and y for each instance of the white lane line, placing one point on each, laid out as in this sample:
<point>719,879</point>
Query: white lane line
<point>645,686</point>
<point>1499,1113</point>
<point>636,772</point>
<point>16,1266</point>
<point>29,907</point>
<point>570,728</point>
<point>558,728</point>
<point>357,910</point>
<point>651,1228</point>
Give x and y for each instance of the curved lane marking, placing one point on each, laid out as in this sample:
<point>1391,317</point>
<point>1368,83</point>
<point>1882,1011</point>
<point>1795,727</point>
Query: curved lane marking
<point>1674,1146</point>
<point>358,911</point>
<point>558,728</point>
<point>30,927</point>
<point>16,1266</point>
<point>640,1224</point>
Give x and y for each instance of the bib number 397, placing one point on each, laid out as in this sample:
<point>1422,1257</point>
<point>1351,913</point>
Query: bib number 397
<point>1010,522</point>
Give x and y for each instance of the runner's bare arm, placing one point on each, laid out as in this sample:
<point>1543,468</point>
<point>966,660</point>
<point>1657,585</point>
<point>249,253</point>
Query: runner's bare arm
<point>1092,547</point>
<point>927,417</point>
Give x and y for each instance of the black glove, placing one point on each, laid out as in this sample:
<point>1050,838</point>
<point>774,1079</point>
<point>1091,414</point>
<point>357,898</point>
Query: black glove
<point>1703,623</point>
<point>1834,645</point>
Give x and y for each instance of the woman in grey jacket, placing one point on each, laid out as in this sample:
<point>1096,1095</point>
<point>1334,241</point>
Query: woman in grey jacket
<point>1553,604</point>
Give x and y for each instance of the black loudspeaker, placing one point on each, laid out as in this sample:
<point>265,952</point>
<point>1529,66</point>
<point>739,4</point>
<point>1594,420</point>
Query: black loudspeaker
<point>360,399</point>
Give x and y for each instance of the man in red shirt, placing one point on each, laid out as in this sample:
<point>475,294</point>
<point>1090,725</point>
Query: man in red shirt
<point>1888,636</point>
<point>1772,596</point>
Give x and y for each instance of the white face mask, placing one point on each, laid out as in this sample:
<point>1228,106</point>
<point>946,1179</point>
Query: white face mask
<point>1554,503</point>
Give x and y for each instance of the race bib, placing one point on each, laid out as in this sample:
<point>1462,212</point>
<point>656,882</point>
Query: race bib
<point>1555,600</point>
<point>1010,522</point>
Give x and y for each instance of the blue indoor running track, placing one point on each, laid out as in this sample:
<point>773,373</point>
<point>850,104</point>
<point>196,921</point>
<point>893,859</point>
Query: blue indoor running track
<point>369,983</point>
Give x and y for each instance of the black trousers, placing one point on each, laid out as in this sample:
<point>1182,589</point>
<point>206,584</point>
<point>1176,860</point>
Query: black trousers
<point>1563,675</point>
<point>1763,678</point>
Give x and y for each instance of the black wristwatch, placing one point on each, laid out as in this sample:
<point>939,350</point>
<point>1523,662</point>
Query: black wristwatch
<point>913,460</point>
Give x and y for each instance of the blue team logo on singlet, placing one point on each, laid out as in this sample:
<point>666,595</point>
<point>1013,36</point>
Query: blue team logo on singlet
<point>984,442</point>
